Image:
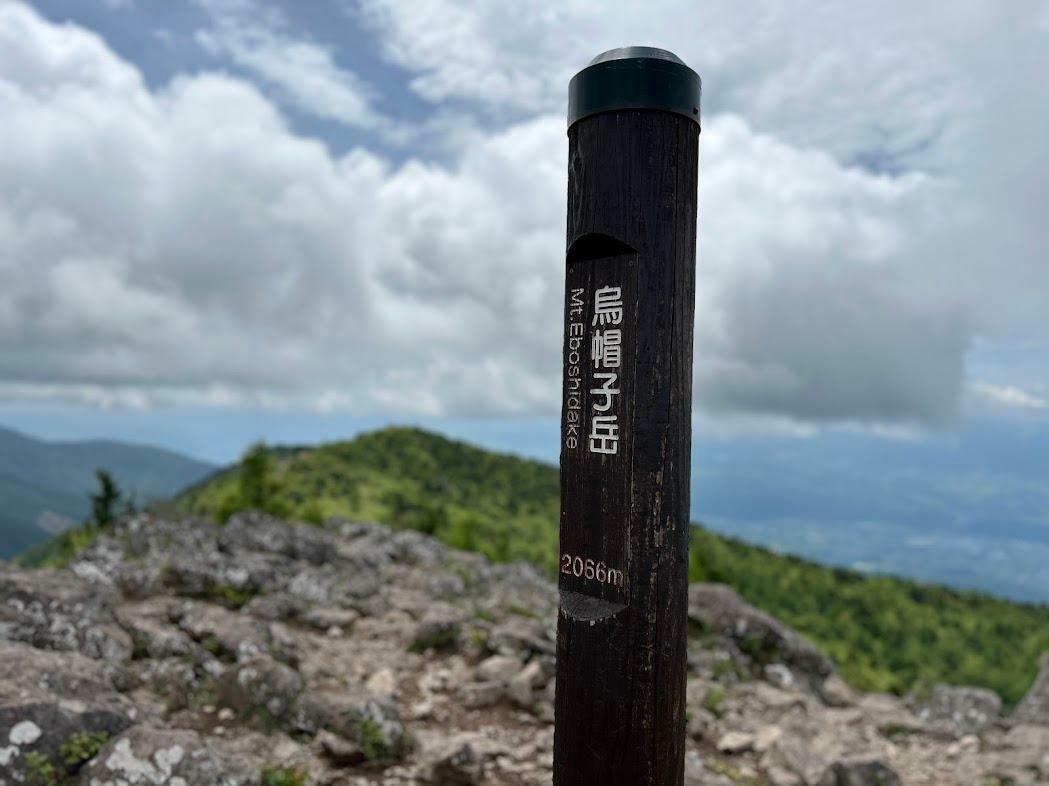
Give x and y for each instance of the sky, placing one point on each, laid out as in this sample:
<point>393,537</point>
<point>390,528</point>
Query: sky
<point>229,219</point>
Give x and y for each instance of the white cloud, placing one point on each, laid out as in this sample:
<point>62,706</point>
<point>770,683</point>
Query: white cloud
<point>185,246</point>
<point>1008,396</point>
<point>882,81</point>
<point>255,38</point>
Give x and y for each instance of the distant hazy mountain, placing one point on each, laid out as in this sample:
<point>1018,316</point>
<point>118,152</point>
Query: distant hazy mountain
<point>44,486</point>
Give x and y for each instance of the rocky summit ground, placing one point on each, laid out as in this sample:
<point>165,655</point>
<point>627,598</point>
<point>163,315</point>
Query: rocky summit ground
<point>261,653</point>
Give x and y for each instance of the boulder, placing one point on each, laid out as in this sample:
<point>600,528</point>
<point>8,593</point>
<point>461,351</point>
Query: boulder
<point>328,618</point>
<point>439,629</point>
<point>498,668</point>
<point>259,532</point>
<point>372,723</point>
<point>261,688</point>
<point>151,629</point>
<point>145,755</point>
<point>276,606</point>
<point>521,689</point>
<point>958,710</point>
<point>335,586</point>
<point>175,680</point>
<point>229,634</point>
<point>459,767</point>
<point>58,719</point>
<point>860,772</point>
<point>763,638</point>
<point>478,695</point>
<point>415,548</point>
<point>734,742</point>
<point>59,611</point>
<point>522,638</point>
<point>1034,706</point>
<point>340,751</point>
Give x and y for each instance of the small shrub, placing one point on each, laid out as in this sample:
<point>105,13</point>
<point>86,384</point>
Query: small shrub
<point>228,595</point>
<point>212,645</point>
<point>521,611</point>
<point>39,770</point>
<point>712,701</point>
<point>727,667</point>
<point>283,776</point>
<point>314,513</point>
<point>761,650</point>
<point>81,747</point>
<point>374,744</point>
<point>478,639</point>
<point>439,639</point>
<point>203,696</point>
<point>372,741</point>
<point>726,770</point>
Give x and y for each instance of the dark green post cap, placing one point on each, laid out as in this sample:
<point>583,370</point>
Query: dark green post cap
<point>634,77</point>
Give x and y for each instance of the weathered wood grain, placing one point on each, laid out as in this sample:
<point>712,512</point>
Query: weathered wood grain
<point>621,649</point>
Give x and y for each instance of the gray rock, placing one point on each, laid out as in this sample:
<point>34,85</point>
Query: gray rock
<point>331,585</point>
<point>258,532</point>
<point>60,611</point>
<point>860,772</point>
<point>521,689</point>
<point>836,693</point>
<point>149,623</point>
<point>960,710</point>
<point>325,618</point>
<point>378,729</point>
<point>766,640</point>
<point>414,548</point>
<point>734,742</point>
<point>1034,706</point>
<point>71,703</point>
<point>439,629</point>
<point>146,755</point>
<point>340,751</point>
<point>372,723</point>
<point>477,695</point>
<point>277,606</point>
<point>696,774</point>
<point>174,679</point>
<point>523,638</point>
<point>227,633</point>
<point>261,688</point>
<point>498,668</point>
<point>459,767</point>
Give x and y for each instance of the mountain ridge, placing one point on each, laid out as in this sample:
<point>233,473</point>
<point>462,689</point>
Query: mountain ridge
<point>888,633</point>
<point>54,478</point>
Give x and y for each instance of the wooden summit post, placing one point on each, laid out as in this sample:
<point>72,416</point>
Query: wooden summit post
<point>633,134</point>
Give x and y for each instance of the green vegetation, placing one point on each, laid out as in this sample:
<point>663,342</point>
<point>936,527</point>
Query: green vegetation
<point>439,639</point>
<point>884,633</point>
<point>712,701</point>
<point>104,501</point>
<point>258,488</point>
<point>82,747</point>
<point>59,550</point>
<point>39,770</point>
<point>374,744</point>
<point>283,776</point>
<point>227,595</point>
<point>57,478</point>
<point>721,767</point>
<point>501,506</point>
